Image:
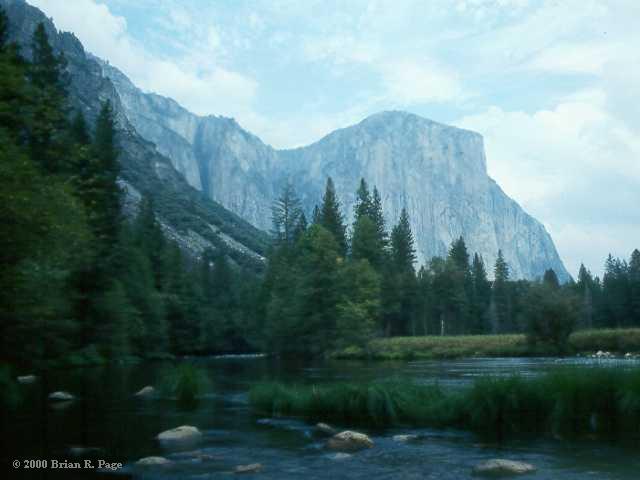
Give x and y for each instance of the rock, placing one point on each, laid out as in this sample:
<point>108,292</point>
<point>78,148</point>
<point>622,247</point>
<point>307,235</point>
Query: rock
<point>502,468</point>
<point>626,355</point>
<point>405,438</point>
<point>251,468</point>
<point>349,441</point>
<point>182,433</point>
<point>153,461</point>
<point>340,456</point>
<point>82,451</point>
<point>324,429</point>
<point>26,379</point>
<point>147,391</point>
<point>61,396</point>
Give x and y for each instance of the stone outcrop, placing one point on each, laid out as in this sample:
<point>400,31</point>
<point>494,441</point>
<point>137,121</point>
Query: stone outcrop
<point>182,433</point>
<point>349,441</point>
<point>502,468</point>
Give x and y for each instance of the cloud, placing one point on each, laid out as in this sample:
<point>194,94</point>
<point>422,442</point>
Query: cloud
<point>575,166</point>
<point>195,80</point>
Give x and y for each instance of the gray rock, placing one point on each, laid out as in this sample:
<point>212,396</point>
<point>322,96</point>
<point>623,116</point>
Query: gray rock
<point>349,441</point>
<point>502,468</point>
<point>61,396</point>
<point>251,468</point>
<point>27,379</point>
<point>153,462</point>
<point>405,438</point>
<point>182,433</point>
<point>147,391</point>
<point>436,171</point>
<point>324,429</point>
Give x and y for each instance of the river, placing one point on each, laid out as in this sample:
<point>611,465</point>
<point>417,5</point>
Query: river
<point>123,428</point>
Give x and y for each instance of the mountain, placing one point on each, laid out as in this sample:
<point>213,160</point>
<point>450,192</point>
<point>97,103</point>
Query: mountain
<point>186,214</point>
<point>436,171</point>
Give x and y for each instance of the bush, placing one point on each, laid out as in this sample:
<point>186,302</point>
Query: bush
<point>185,383</point>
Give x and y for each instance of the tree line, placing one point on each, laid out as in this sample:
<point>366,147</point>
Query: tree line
<point>328,286</point>
<point>83,282</point>
<point>79,280</point>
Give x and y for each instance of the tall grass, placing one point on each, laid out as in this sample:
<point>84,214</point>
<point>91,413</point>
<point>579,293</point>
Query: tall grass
<point>511,345</point>
<point>185,382</point>
<point>567,401</point>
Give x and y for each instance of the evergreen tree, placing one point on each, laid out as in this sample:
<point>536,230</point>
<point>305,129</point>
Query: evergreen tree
<point>378,219</point>
<point>365,244</point>
<point>551,279</point>
<point>402,244</point>
<point>48,118</point>
<point>501,297</point>
<point>331,218</point>
<point>364,205</point>
<point>459,255</point>
<point>286,217</point>
<point>634,287</point>
<point>481,298</point>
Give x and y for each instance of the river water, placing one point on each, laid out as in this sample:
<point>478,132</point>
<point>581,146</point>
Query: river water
<point>123,428</point>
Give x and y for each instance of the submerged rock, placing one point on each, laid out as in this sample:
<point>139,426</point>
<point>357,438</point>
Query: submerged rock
<point>324,429</point>
<point>26,379</point>
<point>502,468</point>
<point>145,391</point>
<point>61,396</point>
<point>251,468</point>
<point>349,441</point>
<point>184,432</point>
<point>153,461</point>
<point>405,438</point>
<point>82,451</point>
<point>340,456</point>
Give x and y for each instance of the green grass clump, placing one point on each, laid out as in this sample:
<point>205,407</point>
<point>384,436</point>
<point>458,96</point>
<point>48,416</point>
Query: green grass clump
<point>566,401</point>
<point>511,345</point>
<point>185,382</point>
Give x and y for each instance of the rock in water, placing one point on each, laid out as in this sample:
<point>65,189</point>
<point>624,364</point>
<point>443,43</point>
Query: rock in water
<point>61,396</point>
<point>147,391</point>
<point>26,379</point>
<point>349,441</point>
<point>153,461</point>
<point>182,433</point>
<point>324,429</point>
<point>502,468</point>
<point>251,468</point>
<point>405,438</point>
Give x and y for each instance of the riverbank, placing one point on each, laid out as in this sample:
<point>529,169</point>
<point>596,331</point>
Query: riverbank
<point>566,401</point>
<point>617,341</point>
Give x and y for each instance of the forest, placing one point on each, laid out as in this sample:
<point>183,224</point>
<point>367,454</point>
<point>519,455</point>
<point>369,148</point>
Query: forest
<point>84,283</point>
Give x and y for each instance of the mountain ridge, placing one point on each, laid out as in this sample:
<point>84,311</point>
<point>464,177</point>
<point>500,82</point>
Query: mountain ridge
<point>436,170</point>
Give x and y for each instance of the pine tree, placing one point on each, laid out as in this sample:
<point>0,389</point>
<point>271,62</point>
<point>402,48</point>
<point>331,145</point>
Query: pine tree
<point>501,296</point>
<point>48,119</point>
<point>551,279</point>
<point>331,218</point>
<point>365,244</point>
<point>364,205</point>
<point>634,286</point>
<point>402,245</point>
<point>481,295</point>
<point>286,216</point>
<point>459,255</point>
<point>378,219</point>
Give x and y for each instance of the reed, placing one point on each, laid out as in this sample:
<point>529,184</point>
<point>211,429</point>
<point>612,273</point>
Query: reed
<point>565,401</point>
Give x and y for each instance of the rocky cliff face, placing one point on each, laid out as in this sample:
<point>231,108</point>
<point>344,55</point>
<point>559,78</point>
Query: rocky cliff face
<point>436,171</point>
<point>186,214</point>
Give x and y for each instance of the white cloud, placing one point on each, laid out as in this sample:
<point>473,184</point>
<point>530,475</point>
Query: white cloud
<point>196,81</point>
<point>575,166</point>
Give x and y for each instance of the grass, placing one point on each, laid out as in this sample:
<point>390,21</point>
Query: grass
<point>514,345</point>
<point>185,382</point>
<point>566,401</point>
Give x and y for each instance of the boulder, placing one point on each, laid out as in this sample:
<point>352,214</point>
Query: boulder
<point>184,432</point>
<point>61,396</point>
<point>26,379</point>
<point>145,391</point>
<point>405,438</point>
<point>251,468</point>
<point>153,462</point>
<point>324,429</point>
<point>349,441</point>
<point>502,468</point>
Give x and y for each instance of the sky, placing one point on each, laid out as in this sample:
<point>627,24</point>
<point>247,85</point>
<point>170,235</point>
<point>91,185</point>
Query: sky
<point>552,85</point>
